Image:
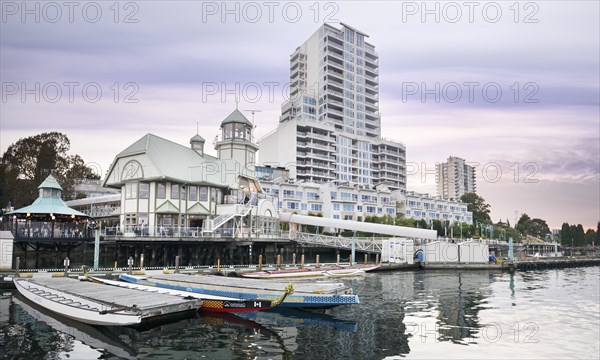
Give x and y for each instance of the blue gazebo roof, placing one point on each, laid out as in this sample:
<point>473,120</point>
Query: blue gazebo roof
<point>49,202</point>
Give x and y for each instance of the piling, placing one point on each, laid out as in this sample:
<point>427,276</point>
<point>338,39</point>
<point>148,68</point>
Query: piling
<point>218,264</point>
<point>66,262</point>
<point>260,263</point>
<point>318,265</point>
<point>142,262</point>
<point>18,262</point>
<point>278,261</point>
<point>337,260</point>
<point>302,261</point>
<point>377,259</point>
<point>176,264</point>
<point>294,258</point>
<point>130,264</point>
<point>366,259</point>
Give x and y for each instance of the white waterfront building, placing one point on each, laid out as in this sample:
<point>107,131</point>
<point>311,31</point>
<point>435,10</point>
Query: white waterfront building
<point>330,129</point>
<point>454,178</point>
<point>355,202</point>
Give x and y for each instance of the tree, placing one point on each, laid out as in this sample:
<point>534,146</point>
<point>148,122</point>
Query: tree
<point>565,234</point>
<point>590,236</point>
<point>26,163</point>
<point>534,227</point>
<point>477,205</point>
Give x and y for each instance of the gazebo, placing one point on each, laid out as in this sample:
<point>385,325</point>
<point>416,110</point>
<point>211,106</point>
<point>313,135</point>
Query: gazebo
<point>49,219</point>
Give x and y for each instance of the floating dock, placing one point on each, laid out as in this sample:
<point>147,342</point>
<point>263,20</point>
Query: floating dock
<point>62,294</point>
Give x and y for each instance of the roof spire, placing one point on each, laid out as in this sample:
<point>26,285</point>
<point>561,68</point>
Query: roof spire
<point>236,102</point>
<point>197,128</point>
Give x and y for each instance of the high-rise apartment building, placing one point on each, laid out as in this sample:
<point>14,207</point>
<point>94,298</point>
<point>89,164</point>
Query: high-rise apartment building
<point>330,128</point>
<point>454,178</point>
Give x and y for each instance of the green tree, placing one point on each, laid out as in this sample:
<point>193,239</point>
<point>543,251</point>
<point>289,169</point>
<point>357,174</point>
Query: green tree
<point>590,236</point>
<point>565,234</point>
<point>26,163</point>
<point>477,205</point>
<point>534,227</point>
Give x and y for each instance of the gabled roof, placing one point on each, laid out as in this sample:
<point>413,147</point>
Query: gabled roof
<point>236,117</point>
<point>174,162</point>
<point>198,209</point>
<point>167,208</point>
<point>198,138</point>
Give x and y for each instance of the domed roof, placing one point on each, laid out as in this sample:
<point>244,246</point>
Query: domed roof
<point>236,117</point>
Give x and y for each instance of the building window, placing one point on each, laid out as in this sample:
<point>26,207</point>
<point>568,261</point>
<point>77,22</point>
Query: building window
<point>203,193</point>
<point>131,190</point>
<point>333,195</point>
<point>193,193</point>
<point>174,191</point>
<point>347,217</point>
<point>144,190</point>
<point>336,216</point>
<point>348,207</point>
<point>336,206</point>
<point>161,190</point>
<point>303,206</point>
<point>182,192</point>
<point>316,207</point>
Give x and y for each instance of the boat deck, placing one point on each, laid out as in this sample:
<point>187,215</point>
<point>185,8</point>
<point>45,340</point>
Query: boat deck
<point>249,285</point>
<point>148,304</point>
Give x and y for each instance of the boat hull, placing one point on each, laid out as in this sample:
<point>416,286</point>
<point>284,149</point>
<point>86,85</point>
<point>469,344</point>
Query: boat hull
<point>302,300</point>
<point>309,273</point>
<point>210,303</point>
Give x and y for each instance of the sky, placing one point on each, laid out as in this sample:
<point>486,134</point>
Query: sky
<point>513,87</point>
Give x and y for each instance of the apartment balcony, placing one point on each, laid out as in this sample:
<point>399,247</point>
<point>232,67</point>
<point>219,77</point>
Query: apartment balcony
<point>332,64</point>
<point>320,136</point>
<point>314,155</point>
<point>337,73</point>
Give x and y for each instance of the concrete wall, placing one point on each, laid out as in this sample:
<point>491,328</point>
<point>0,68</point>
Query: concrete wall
<point>6,250</point>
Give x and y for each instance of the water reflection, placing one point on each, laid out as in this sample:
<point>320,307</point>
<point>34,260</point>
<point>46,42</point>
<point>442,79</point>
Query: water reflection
<point>427,314</point>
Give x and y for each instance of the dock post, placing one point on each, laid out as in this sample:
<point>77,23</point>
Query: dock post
<point>302,262</point>
<point>142,262</point>
<point>17,266</point>
<point>115,265</point>
<point>130,263</point>
<point>176,264</point>
<point>66,262</point>
<point>366,259</point>
<point>278,262</point>
<point>337,260</point>
<point>218,264</point>
<point>377,259</point>
<point>294,258</point>
<point>318,265</point>
<point>259,262</point>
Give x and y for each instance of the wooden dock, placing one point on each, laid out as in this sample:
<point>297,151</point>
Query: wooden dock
<point>147,304</point>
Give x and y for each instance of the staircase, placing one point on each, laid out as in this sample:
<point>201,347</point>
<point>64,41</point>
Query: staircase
<point>210,225</point>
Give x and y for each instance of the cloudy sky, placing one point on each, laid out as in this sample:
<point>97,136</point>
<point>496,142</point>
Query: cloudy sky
<point>512,87</point>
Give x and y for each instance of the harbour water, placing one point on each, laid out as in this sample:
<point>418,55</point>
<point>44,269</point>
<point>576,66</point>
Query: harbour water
<point>548,314</point>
